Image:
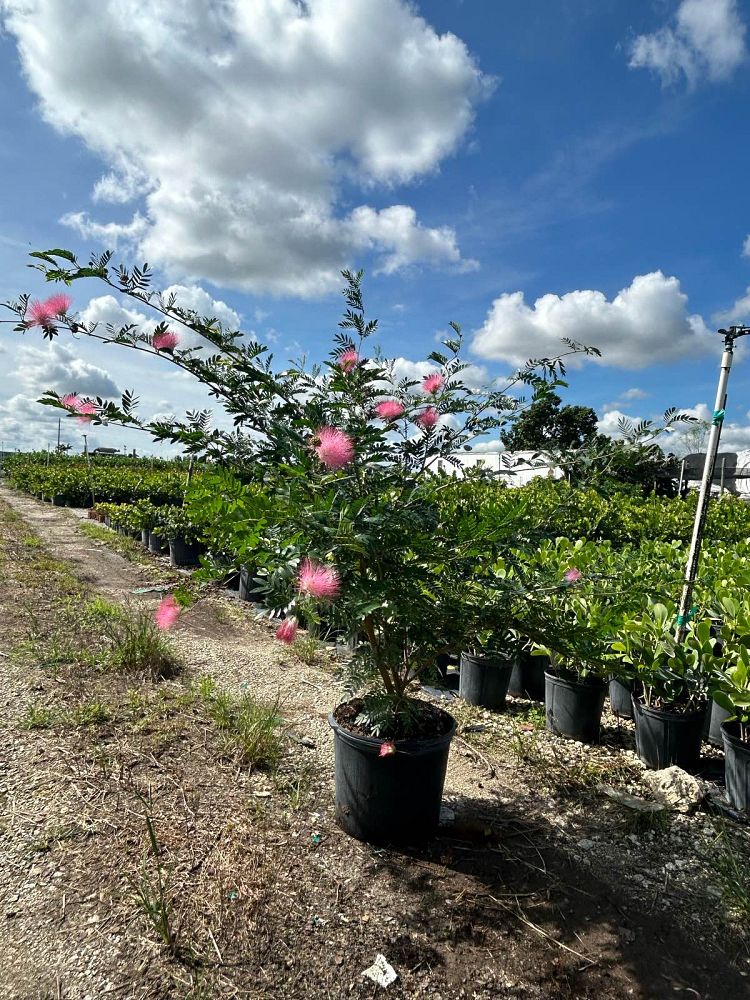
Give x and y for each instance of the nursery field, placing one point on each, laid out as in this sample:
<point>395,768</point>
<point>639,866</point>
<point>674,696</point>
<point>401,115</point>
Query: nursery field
<point>167,825</point>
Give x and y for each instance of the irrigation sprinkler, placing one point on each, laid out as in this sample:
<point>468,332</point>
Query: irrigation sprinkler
<point>685,612</point>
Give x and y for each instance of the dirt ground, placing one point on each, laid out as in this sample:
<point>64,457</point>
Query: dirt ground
<point>540,885</point>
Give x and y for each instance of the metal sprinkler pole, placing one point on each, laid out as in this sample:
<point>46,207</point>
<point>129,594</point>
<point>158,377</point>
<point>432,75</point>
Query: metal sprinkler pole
<point>684,614</point>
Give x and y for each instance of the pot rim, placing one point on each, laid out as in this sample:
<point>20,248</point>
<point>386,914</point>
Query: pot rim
<point>662,713</point>
<point>733,739</point>
<point>588,685</point>
<point>411,747</point>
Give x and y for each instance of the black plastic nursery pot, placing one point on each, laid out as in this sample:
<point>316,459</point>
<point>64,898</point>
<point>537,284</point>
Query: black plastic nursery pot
<point>527,676</point>
<point>574,708</point>
<point>483,680</point>
<point>58,500</point>
<point>666,738</point>
<point>621,697</point>
<point>247,586</point>
<point>144,537</point>
<point>716,716</point>
<point>183,553</point>
<point>736,766</point>
<point>157,544</point>
<point>392,799</point>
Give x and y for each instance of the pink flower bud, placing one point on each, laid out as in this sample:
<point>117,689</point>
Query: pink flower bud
<point>387,749</point>
<point>287,631</point>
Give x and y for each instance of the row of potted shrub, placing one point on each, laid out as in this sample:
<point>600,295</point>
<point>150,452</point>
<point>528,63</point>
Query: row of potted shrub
<point>161,529</point>
<point>677,693</point>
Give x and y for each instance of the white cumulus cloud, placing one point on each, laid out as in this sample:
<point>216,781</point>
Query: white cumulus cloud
<point>646,323</point>
<point>705,41</point>
<point>235,125</point>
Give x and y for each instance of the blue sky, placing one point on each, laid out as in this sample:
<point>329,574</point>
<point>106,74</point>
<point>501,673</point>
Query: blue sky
<point>473,157</point>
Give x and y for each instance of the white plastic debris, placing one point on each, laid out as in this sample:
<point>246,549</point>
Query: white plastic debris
<point>381,972</point>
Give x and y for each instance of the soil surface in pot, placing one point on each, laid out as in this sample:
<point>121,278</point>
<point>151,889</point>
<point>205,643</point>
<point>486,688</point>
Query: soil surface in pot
<point>427,722</point>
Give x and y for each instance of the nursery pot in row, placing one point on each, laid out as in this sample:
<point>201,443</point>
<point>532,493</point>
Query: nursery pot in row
<point>716,716</point>
<point>484,679</point>
<point>184,553</point>
<point>573,708</point>
<point>392,798</point>
<point>248,591</point>
<point>621,697</point>
<point>527,676</point>
<point>736,765</point>
<point>157,543</point>
<point>665,738</point>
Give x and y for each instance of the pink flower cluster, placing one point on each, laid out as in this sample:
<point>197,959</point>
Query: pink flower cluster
<point>287,631</point>
<point>427,418</point>
<point>167,613</point>
<point>572,575</point>
<point>348,360</point>
<point>83,409</point>
<point>45,313</point>
<point>166,341</point>
<point>389,409</point>
<point>319,581</point>
<point>433,383</point>
<point>334,448</point>
<point>387,749</point>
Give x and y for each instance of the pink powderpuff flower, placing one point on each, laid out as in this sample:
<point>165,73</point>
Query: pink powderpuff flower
<point>348,361</point>
<point>432,383</point>
<point>166,341</point>
<point>317,580</point>
<point>427,418</point>
<point>85,411</point>
<point>572,575</point>
<point>334,448</point>
<point>40,314</point>
<point>287,631</point>
<point>167,613</point>
<point>387,749</point>
<point>70,401</point>
<point>59,304</point>
<point>389,409</point>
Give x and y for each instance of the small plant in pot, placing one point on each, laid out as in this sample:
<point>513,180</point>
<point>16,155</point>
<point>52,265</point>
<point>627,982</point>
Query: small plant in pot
<point>733,695</point>
<point>183,535</point>
<point>486,668</point>
<point>672,684</point>
<point>575,681</point>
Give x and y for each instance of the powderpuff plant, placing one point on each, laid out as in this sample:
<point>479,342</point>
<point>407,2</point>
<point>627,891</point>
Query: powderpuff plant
<point>433,383</point>
<point>389,409</point>
<point>348,360</point>
<point>45,313</point>
<point>287,631</point>
<point>427,418</point>
<point>319,581</point>
<point>166,341</point>
<point>59,304</point>
<point>334,448</point>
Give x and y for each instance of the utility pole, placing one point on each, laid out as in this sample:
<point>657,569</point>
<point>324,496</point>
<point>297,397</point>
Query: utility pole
<point>59,423</point>
<point>691,570</point>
